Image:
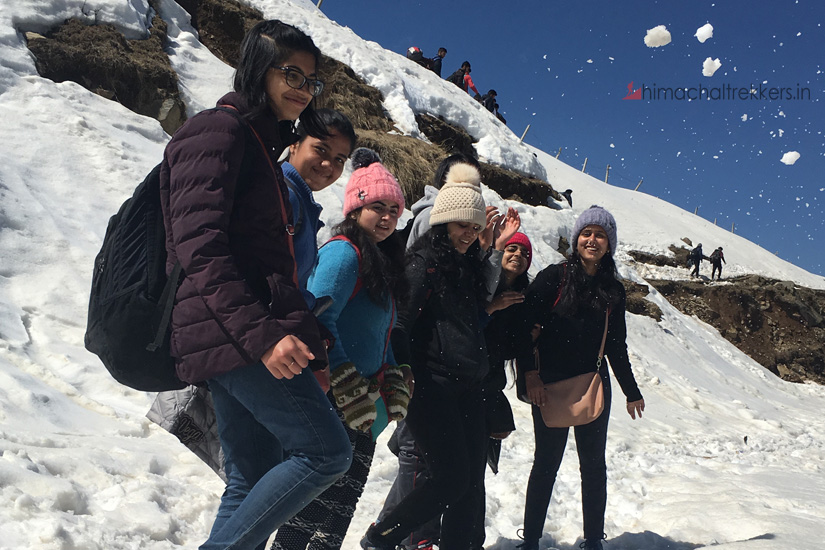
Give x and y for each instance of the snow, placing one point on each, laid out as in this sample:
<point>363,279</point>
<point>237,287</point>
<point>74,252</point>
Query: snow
<point>704,32</point>
<point>657,37</point>
<point>710,66</point>
<point>82,468</point>
<point>790,158</point>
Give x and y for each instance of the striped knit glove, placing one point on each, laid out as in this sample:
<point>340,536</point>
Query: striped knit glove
<point>350,391</point>
<point>395,392</point>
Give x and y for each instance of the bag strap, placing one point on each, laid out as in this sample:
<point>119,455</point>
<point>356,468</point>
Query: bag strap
<point>289,228</point>
<point>604,339</point>
<point>300,218</point>
<point>167,300</point>
<point>561,285</point>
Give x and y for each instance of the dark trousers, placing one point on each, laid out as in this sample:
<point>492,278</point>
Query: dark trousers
<point>412,472</point>
<point>591,440</point>
<point>447,422</point>
<point>323,523</point>
<point>716,266</point>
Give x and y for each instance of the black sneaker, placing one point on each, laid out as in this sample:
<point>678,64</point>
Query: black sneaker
<point>367,544</point>
<point>591,545</point>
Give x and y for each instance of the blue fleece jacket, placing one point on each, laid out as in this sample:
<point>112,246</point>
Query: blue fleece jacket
<point>360,326</point>
<point>306,216</point>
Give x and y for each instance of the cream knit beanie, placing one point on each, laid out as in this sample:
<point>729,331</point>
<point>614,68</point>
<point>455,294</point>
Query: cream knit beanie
<point>459,199</point>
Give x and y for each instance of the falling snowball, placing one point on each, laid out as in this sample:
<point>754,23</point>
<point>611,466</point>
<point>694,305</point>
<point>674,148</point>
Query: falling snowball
<point>790,157</point>
<point>710,66</point>
<point>657,36</point>
<point>744,117</point>
<point>704,32</point>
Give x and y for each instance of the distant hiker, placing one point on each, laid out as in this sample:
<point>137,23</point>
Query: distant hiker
<point>568,195</point>
<point>695,259</point>
<point>716,260</point>
<point>240,324</point>
<point>500,116</point>
<point>457,77</point>
<point>463,80</point>
<point>435,62</point>
<point>489,100</point>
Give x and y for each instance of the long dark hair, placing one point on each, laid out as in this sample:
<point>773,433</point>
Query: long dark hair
<point>452,266</point>
<point>266,44</point>
<point>331,119</point>
<point>520,283</point>
<point>382,264</point>
<point>581,291</point>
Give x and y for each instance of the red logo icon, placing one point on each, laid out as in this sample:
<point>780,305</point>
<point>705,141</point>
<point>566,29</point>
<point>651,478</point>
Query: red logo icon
<point>631,93</point>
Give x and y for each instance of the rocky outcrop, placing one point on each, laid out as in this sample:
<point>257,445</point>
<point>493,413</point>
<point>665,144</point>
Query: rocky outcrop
<point>637,302</point>
<point>778,324</point>
<point>135,73</point>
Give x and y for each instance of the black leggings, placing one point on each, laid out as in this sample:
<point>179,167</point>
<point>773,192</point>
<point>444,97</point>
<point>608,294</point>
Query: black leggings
<point>447,422</point>
<point>323,523</point>
<point>591,440</point>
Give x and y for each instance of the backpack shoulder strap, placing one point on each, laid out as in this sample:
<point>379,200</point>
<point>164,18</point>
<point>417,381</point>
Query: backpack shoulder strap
<point>561,285</point>
<point>358,282</point>
<point>288,227</point>
<point>299,219</point>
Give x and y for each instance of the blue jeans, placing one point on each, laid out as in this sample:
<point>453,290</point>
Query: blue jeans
<point>261,420</point>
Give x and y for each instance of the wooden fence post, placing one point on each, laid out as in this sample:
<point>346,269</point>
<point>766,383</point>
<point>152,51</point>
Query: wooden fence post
<point>525,133</point>
<point>585,164</point>
<point>640,184</point>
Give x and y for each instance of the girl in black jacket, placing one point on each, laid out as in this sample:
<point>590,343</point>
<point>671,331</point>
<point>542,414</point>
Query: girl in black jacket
<point>439,334</point>
<point>569,301</point>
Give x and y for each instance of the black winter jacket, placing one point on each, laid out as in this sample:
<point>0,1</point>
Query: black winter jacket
<point>439,328</point>
<point>570,346</point>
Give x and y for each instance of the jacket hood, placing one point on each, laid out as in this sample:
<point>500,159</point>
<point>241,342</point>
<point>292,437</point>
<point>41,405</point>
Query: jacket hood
<point>427,201</point>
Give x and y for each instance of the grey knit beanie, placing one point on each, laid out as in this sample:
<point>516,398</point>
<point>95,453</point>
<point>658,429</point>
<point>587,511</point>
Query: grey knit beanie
<point>459,199</point>
<point>596,215</point>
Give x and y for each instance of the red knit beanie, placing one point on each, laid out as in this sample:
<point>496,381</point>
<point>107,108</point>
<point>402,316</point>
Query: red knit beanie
<point>523,240</point>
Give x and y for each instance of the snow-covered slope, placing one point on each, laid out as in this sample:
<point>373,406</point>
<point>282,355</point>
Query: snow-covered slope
<point>81,468</point>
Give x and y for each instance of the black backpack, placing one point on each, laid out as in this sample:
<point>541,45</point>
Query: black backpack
<point>457,78</point>
<point>131,300</point>
<point>414,54</point>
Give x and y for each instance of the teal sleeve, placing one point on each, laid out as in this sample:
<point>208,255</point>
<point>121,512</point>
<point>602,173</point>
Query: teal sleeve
<point>335,276</point>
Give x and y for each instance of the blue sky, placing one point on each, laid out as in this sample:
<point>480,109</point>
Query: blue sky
<point>564,67</point>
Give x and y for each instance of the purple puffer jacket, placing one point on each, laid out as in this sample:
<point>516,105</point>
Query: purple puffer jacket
<point>238,297</point>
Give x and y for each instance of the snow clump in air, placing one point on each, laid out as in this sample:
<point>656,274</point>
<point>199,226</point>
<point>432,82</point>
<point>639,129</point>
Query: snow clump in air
<point>657,36</point>
<point>790,157</point>
<point>710,66</point>
<point>704,32</point>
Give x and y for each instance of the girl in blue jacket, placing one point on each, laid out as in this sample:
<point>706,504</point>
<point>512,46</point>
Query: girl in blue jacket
<point>361,268</point>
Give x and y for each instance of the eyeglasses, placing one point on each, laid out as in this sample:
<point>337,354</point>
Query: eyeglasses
<point>295,79</point>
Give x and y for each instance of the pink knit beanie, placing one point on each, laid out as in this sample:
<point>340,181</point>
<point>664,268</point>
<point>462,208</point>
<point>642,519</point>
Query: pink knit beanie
<point>370,182</point>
